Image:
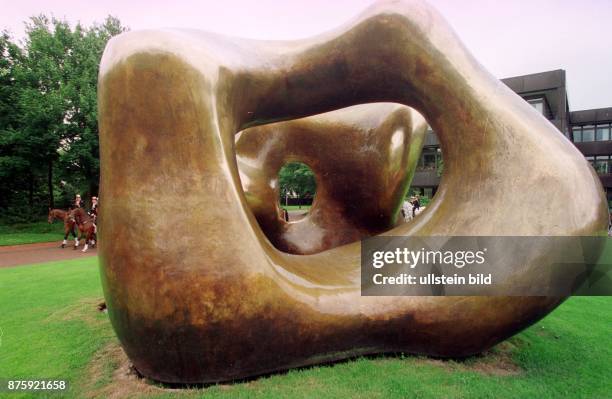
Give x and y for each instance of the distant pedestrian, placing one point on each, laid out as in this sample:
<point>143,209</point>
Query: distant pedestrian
<point>285,215</point>
<point>416,204</point>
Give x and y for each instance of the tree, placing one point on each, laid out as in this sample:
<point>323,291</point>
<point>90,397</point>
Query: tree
<point>14,163</point>
<point>296,178</point>
<point>80,148</point>
<point>48,111</point>
<point>42,79</point>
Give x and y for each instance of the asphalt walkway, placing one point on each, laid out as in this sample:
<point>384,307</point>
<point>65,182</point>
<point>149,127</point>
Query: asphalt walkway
<point>16,255</point>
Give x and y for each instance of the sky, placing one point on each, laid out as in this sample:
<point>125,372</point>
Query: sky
<point>509,38</point>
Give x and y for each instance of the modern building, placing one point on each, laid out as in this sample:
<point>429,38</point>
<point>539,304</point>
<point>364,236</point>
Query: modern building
<point>590,130</point>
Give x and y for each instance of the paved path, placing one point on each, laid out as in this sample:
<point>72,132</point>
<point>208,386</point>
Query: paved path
<point>15,255</point>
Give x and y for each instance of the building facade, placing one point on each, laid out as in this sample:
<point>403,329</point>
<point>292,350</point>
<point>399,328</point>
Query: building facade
<point>590,130</point>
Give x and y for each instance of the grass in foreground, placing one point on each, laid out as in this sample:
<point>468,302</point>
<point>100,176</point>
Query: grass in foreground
<point>51,329</point>
<point>28,233</point>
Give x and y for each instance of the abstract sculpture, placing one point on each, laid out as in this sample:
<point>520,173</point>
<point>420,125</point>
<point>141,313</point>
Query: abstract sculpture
<point>195,291</point>
<point>363,158</point>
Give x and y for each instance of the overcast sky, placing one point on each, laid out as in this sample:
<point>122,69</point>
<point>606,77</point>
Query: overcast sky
<point>508,37</point>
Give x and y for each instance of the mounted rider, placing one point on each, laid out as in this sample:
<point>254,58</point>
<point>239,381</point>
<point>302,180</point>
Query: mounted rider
<point>93,212</point>
<point>74,204</point>
<point>77,203</point>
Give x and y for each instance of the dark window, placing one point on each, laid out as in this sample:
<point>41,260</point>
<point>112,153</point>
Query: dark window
<point>428,159</point>
<point>601,164</point>
<point>577,134</point>
<point>588,133</point>
<point>602,133</point>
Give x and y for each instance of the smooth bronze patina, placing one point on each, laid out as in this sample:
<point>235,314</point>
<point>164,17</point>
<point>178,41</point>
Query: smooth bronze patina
<point>200,295</point>
<point>363,158</point>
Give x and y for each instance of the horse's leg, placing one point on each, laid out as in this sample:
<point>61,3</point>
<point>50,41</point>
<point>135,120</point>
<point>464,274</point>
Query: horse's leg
<point>95,233</point>
<point>66,231</point>
<point>76,238</point>
<point>87,239</point>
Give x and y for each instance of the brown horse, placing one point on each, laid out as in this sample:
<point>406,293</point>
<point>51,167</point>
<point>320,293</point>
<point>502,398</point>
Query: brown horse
<point>86,226</point>
<point>69,225</point>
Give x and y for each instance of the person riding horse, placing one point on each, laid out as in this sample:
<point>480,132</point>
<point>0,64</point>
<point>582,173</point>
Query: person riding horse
<point>86,226</point>
<point>69,224</point>
<point>93,212</point>
<point>77,203</point>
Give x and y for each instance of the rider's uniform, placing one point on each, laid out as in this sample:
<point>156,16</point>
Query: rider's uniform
<point>94,211</point>
<point>94,214</point>
<point>75,205</point>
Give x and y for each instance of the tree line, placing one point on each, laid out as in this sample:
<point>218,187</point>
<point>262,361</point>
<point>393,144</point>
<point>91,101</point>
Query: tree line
<point>48,119</point>
<point>48,114</point>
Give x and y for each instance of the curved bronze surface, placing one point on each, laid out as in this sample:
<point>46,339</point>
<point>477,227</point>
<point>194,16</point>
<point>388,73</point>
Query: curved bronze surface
<point>195,291</point>
<point>363,158</point>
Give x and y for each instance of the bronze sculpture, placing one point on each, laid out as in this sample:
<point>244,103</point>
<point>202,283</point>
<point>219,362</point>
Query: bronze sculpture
<point>363,158</point>
<point>219,302</point>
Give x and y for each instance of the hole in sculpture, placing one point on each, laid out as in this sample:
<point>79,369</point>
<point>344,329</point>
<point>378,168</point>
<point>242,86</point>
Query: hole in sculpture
<point>297,188</point>
<point>428,173</point>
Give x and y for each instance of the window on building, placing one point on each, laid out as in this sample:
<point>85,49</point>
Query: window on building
<point>601,164</point>
<point>588,133</point>
<point>577,134</point>
<point>428,160</point>
<point>602,133</point>
<point>538,104</point>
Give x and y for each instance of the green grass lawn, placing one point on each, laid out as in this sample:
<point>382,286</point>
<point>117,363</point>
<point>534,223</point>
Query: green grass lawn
<point>27,233</point>
<point>296,207</point>
<point>50,328</point>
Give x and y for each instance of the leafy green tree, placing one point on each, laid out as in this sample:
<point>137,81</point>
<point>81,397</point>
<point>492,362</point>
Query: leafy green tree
<point>80,148</point>
<point>42,76</point>
<point>12,162</point>
<point>296,179</point>
<point>48,111</point>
